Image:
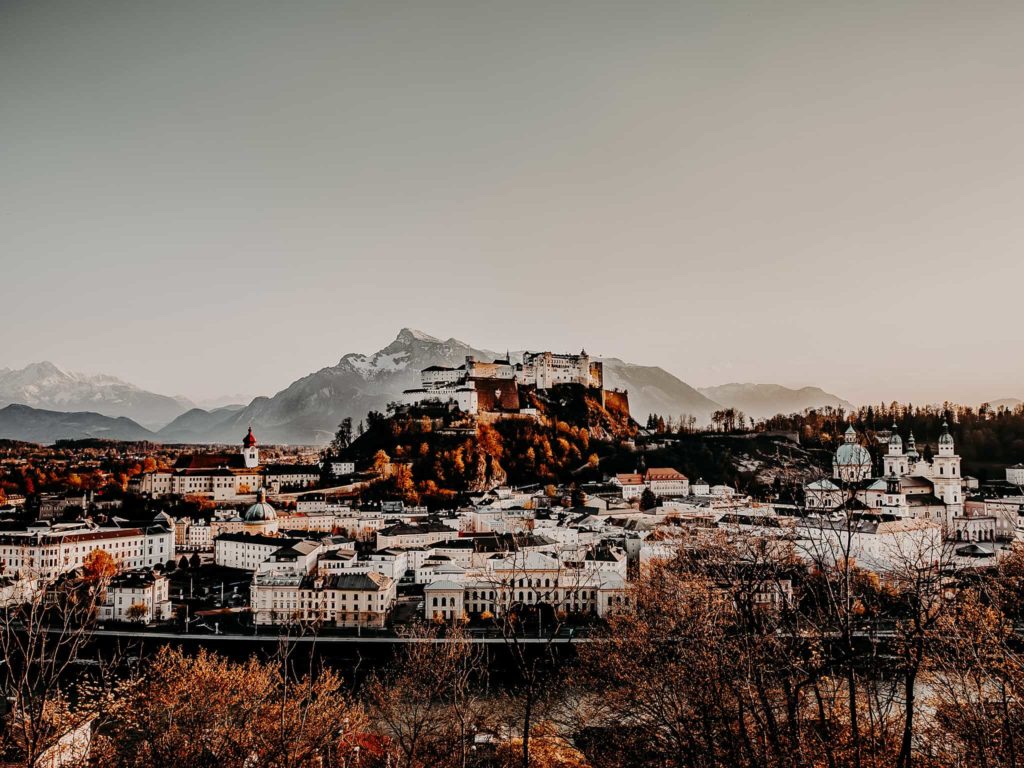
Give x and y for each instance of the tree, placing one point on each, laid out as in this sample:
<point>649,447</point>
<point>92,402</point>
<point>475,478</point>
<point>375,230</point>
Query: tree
<point>343,437</point>
<point>205,710</point>
<point>137,612</point>
<point>42,635</point>
<point>648,500</point>
<point>99,566</point>
<point>426,703</point>
<point>381,463</point>
<point>520,592</point>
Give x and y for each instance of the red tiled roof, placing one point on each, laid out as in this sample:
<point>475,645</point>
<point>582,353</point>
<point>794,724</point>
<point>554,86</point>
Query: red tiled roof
<point>664,473</point>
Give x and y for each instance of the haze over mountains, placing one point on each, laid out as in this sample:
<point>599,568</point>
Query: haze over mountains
<point>22,422</point>
<point>763,400</point>
<point>44,385</point>
<point>309,409</point>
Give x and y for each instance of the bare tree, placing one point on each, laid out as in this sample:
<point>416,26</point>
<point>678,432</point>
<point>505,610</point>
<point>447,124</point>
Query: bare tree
<point>45,626</point>
<point>530,585</point>
<point>427,704</point>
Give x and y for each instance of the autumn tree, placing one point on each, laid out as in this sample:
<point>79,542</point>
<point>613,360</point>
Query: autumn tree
<point>99,566</point>
<point>205,710</point>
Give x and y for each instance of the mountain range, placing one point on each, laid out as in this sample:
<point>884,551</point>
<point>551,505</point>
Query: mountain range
<point>761,401</point>
<point>22,422</point>
<point>47,387</point>
<point>309,409</point>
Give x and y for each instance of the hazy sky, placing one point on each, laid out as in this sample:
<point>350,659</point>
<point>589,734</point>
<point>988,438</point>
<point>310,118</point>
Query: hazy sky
<point>208,197</point>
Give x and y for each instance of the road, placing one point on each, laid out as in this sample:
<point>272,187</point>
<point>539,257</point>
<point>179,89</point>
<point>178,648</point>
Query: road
<point>489,637</point>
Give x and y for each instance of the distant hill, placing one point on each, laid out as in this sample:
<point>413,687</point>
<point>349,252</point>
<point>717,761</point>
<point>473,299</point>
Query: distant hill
<point>764,400</point>
<point>21,422</point>
<point>44,385</point>
<point>655,390</point>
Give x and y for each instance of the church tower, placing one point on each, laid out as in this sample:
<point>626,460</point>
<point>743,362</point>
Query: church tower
<point>895,500</point>
<point>250,453</point>
<point>895,461</point>
<point>946,470</point>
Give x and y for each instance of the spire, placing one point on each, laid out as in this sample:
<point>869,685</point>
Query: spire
<point>249,440</point>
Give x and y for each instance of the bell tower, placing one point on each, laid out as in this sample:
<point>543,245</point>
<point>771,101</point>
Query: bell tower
<point>250,453</point>
<point>945,473</point>
<point>895,461</point>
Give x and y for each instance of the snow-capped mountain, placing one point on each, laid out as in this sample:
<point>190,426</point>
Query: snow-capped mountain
<point>764,400</point>
<point>308,411</point>
<point>45,386</point>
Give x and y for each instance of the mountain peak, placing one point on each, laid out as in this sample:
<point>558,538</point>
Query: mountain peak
<point>44,367</point>
<point>409,335</point>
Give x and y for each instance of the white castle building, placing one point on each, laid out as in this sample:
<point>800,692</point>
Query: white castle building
<point>493,386</point>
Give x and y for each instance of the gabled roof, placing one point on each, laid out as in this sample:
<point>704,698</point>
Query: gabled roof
<point>630,478</point>
<point>443,585</point>
<point>302,549</point>
<point>366,582</point>
<point>664,474</point>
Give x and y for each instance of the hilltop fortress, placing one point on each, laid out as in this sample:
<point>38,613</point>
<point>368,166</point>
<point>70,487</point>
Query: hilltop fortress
<point>478,387</point>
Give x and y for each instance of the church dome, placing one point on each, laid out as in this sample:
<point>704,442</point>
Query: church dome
<point>945,438</point>
<point>260,512</point>
<point>852,455</point>
<point>249,440</point>
<point>895,441</point>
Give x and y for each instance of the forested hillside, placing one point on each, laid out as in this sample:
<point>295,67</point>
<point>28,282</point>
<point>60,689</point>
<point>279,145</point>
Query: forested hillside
<point>434,453</point>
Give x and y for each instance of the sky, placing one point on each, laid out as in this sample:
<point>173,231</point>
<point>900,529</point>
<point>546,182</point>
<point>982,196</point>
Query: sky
<point>209,197</point>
